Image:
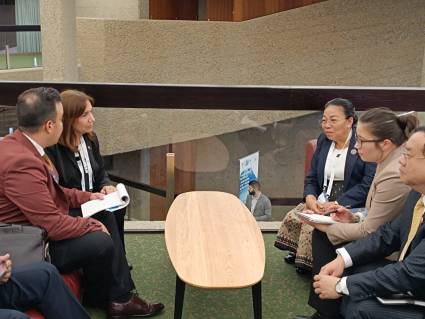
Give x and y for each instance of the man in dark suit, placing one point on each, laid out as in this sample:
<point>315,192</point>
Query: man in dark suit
<point>29,192</point>
<point>36,286</point>
<point>372,275</point>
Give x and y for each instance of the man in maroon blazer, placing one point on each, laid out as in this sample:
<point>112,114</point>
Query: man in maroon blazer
<point>29,192</point>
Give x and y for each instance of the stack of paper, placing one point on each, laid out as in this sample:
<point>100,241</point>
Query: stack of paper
<point>316,218</point>
<point>112,202</point>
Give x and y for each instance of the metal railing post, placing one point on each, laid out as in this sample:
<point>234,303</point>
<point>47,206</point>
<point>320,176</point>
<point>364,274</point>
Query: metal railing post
<point>7,57</point>
<point>170,191</point>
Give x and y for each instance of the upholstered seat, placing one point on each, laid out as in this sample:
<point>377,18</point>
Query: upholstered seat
<point>309,151</point>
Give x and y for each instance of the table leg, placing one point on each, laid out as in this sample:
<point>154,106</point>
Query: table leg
<point>256,300</point>
<point>179,298</point>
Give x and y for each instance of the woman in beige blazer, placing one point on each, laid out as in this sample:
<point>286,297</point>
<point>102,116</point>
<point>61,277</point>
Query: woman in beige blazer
<point>380,138</point>
<point>385,200</point>
<point>375,142</point>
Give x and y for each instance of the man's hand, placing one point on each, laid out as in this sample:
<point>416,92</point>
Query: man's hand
<point>324,286</point>
<point>96,196</point>
<point>108,189</point>
<point>334,268</point>
<point>5,268</point>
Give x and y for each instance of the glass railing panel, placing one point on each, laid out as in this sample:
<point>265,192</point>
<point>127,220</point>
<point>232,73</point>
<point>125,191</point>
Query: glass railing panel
<point>212,161</point>
<point>142,205</point>
<point>208,150</point>
<point>208,146</point>
<point>20,50</point>
<point>7,119</point>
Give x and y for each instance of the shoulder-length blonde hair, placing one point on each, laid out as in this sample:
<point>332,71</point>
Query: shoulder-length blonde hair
<point>74,103</point>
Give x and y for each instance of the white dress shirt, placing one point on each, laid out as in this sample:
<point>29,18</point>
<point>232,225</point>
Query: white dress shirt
<point>37,146</point>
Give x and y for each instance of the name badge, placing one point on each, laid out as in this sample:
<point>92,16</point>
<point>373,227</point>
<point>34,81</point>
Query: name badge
<point>323,198</point>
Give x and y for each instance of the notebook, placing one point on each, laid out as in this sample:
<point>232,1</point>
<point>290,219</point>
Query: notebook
<point>316,218</point>
<point>401,299</point>
<point>112,202</point>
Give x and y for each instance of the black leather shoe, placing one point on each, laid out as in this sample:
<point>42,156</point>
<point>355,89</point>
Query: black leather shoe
<point>302,271</point>
<point>135,307</point>
<point>289,258</point>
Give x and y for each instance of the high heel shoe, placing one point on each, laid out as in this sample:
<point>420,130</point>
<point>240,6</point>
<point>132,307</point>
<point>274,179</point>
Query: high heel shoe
<point>290,258</point>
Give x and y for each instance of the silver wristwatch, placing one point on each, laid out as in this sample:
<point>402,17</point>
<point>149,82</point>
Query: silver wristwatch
<point>338,287</point>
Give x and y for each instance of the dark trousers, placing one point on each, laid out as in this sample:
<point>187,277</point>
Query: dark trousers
<point>12,314</point>
<point>371,308</point>
<point>102,259</point>
<point>38,286</point>
<point>119,219</point>
<point>323,252</point>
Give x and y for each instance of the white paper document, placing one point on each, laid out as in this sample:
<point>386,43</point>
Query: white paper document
<point>316,218</point>
<point>401,300</point>
<point>112,202</point>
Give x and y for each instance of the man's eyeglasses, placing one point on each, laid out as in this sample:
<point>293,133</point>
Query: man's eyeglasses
<point>360,142</point>
<point>408,156</point>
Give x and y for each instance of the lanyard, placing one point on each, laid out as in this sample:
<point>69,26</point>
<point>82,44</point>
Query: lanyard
<point>84,165</point>
<point>330,163</point>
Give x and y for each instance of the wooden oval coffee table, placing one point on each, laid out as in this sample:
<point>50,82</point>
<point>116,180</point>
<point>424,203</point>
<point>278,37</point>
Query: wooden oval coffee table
<point>214,242</point>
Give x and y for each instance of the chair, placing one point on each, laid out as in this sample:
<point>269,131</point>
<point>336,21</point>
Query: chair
<point>310,148</point>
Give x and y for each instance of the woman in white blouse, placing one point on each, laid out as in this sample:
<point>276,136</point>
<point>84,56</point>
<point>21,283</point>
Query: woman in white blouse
<point>337,174</point>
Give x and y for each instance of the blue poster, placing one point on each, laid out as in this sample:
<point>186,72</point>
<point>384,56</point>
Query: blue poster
<point>248,172</point>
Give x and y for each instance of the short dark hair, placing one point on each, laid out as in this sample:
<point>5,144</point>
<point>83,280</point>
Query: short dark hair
<point>422,130</point>
<point>255,184</point>
<point>347,106</point>
<point>35,106</point>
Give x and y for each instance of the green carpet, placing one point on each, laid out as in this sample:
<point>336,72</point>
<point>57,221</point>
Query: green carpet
<point>284,292</point>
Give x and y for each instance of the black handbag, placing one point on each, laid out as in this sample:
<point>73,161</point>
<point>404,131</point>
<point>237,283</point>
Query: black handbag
<point>26,244</point>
